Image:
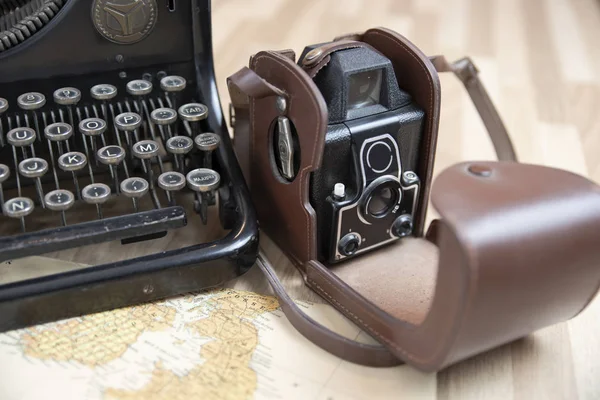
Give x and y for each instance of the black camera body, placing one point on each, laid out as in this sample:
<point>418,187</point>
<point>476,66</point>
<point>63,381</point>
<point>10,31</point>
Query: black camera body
<point>365,192</point>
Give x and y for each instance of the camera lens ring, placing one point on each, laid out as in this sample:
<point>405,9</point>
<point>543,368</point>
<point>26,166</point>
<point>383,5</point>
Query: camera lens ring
<point>380,198</point>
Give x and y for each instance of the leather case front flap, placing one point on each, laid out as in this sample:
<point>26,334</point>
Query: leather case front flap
<point>516,249</point>
<point>284,211</point>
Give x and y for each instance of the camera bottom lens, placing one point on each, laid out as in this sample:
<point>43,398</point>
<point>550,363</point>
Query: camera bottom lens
<point>349,244</point>
<point>403,226</point>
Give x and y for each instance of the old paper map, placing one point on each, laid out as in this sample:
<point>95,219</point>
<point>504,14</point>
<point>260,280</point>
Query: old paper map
<point>224,344</point>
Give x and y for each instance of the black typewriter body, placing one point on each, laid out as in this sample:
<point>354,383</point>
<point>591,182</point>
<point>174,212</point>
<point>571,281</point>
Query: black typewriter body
<point>87,43</point>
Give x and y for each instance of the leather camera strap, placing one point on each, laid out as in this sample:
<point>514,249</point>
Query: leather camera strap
<point>246,84</point>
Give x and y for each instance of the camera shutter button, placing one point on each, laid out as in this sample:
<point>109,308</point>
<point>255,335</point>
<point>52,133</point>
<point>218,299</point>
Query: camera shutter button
<point>349,244</point>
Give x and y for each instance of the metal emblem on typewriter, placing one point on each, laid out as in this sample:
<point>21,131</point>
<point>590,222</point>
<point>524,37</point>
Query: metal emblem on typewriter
<point>124,21</point>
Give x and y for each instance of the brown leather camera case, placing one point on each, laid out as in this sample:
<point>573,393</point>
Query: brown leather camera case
<point>517,247</point>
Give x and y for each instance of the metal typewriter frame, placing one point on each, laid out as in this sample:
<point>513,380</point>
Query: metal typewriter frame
<point>145,278</point>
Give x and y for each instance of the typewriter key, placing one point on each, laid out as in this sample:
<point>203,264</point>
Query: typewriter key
<point>207,143</point>
<point>139,87</point>
<point>67,96</point>
<point>112,156</point>
<point>146,150</point>
<point>179,146</point>
<point>3,105</point>
<point>35,168</point>
<point>93,127</point>
<point>3,108</point>
<point>103,92</point>
<point>128,122</point>
<point>31,101</point>
<point>164,117</point>
<point>203,181</point>
<point>170,182</point>
<point>135,188</point>
<point>96,193</point>
<point>192,114</point>
<point>173,85</point>
<point>58,132</point>
<point>19,207</point>
<point>60,200</point>
<point>73,161</point>
<point>21,137</point>
<point>4,175</point>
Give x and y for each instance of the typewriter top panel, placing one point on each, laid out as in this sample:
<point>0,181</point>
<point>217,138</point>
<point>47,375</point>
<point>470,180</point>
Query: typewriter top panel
<point>86,37</point>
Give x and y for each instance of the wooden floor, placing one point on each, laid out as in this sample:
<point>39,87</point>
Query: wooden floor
<point>540,60</point>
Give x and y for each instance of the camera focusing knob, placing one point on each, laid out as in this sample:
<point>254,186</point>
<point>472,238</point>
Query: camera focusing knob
<point>402,226</point>
<point>349,244</point>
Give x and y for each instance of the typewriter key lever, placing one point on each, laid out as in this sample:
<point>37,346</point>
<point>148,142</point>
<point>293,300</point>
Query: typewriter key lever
<point>129,122</point>
<point>172,85</point>
<point>179,146</point>
<point>93,127</point>
<point>112,156</point>
<point>60,200</point>
<point>32,101</point>
<point>19,207</point>
<point>68,97</point>
<point>73,162</point>
<point>35,168</point>
<point>96,193</point>
<point>135,188</point>
<point>103,93</point>
<point>204,182</point>
<point>207,143</point>
<point>139,89</point>
<point>192,114</point>
<point>171,182</point>
<point>164,117</point>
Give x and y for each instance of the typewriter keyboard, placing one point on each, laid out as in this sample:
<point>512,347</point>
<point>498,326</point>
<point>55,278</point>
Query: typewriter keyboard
<point>139,145</point>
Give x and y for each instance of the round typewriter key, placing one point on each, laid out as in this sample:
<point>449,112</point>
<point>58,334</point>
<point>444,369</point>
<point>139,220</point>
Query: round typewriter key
<point>31,101</point>
<point>18,207</point>
<point>67,96</point>
<point>111,155</point>
<point>135,188</point>
<point>21,137</point>
<point>207,143</point>
<point>139,87</point>
<point>4,173</point>
<point>58,132</point>
<point>96,193</point>
<point>171,182</point>
<point>103,92</point>
<point>92,126</point>
<point>203,180</point>
<point>145,149</point>
<point>173,83</point>
<point>163,116</point>
<point>3,105</point>
<point>60,200</point>
<point>72,161</point>
<point>33,167</point>
<point>179,146</point>
<point>128,121</point>
<point>193,112</point>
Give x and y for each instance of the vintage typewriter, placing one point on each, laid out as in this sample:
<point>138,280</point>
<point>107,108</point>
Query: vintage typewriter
<point>111,134</point>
